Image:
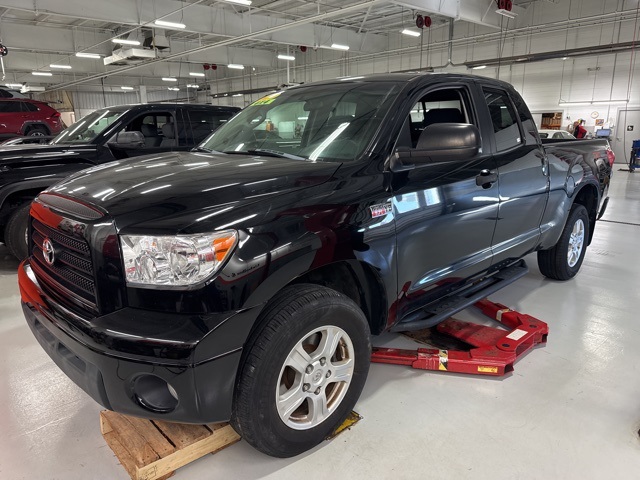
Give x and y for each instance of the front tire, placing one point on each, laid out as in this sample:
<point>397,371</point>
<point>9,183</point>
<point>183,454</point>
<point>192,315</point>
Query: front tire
<point>15,233</point>
<point>302,372</point>
<point>564,260</point>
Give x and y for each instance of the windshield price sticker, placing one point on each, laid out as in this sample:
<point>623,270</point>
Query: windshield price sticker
<point>267,100</point>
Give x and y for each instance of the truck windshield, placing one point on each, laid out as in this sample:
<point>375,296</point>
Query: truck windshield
<point>88,128</point>
<point>332,122</point>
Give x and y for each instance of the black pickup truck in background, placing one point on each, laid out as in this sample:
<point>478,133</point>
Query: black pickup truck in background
<point>243,281</point>
<point>105,135</point>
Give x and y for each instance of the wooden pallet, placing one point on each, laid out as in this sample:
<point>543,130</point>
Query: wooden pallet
<point>153,450</point>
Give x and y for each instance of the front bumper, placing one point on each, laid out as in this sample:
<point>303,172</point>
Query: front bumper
<point>108,356</point>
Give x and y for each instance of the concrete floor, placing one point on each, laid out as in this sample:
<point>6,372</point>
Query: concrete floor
<point>570,410</point>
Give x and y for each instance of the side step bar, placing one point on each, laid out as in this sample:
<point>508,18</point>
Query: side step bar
<point>442,309</point>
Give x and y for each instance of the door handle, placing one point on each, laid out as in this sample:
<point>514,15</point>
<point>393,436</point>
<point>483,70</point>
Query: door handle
<point>486,178</point>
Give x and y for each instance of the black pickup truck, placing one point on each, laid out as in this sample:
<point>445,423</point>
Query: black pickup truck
<point>243,281</point>
<point>105,135</point>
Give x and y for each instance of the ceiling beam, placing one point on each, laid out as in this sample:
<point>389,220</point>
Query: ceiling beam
<point>473,11</point>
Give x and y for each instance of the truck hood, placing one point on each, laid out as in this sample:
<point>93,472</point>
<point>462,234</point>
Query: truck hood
<point>15,154</point>
<point>172,190</point>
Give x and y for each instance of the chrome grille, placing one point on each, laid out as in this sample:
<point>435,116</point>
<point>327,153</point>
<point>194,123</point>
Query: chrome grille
<point>70,279</point>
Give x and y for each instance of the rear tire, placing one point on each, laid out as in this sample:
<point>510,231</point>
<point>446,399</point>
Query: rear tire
<point>302,370</point>
<point>564,260</point>
<point>15,234</point>
<point>37,131</point>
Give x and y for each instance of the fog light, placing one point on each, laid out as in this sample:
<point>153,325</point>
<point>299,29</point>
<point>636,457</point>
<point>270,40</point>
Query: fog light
<point>154,394</point>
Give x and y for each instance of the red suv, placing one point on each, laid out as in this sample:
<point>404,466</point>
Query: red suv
<point>21,116</point>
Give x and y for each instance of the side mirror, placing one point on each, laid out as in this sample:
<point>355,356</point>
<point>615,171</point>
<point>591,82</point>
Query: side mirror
<point>438,143</point>
<point>129,140</point>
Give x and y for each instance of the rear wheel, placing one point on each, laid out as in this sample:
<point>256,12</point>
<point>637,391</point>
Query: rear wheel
<point>564,260</point>
<point>303,370</point>
<point>37,131</point>
<point>15,234</point>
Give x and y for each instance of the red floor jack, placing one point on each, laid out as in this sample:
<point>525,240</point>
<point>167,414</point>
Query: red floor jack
<point>493,352</point>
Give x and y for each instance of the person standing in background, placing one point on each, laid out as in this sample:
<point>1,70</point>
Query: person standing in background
<point>578,130</point>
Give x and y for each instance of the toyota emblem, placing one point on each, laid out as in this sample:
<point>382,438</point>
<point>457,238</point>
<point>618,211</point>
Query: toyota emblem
<point>48,252</point>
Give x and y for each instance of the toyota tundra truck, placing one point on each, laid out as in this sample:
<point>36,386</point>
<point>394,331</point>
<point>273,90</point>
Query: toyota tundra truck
<point>243,281</point>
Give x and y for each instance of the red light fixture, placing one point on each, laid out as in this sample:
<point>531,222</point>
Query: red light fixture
<point>214,66</point>
<point>423,21</point>
<point>303,48</point>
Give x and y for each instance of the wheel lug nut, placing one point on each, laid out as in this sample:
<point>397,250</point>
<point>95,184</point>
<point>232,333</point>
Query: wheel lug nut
<point>309,369</point>
<point>328,374</point>
<point>317,392</point>
<point>323,361</point>
<point>306,387</point>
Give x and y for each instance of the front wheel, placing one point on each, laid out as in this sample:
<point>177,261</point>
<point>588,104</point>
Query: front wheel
<point>15,233</point>
<point>563,261</point>
<point>303,370</point>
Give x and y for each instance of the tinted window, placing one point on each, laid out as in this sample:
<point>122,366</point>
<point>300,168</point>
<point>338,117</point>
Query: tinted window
<point>9,107</point>
<point>503,118</point>
<point>543,135</point>
<point>204,122</point>
<point>29,107</point>
<point>558,135</point>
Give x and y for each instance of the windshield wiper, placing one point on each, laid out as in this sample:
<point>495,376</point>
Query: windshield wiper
<point>204,150</point>
<point>267,153</point>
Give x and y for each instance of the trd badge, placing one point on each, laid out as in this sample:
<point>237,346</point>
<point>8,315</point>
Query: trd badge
<point>380,210</point>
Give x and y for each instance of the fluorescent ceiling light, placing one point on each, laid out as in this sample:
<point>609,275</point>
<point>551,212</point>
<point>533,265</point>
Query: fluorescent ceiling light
<point>27,89</point>
<point>169,79</point>
<point>193,86</point>
<point>174,89</point>
<point>506,13</point>
<point>164,23</point>
<point>412,33</point>
<point>13,85</point>
<point>196,74</point>
<point>237,94</point>
<point>125,41</point>
<point>337,46</point>
<point>240,2</point>
<point>87,55</point>
<point>564,58</point>
<point>54,65</point>
<point>282,56</point>
<point>42,74</point>
<point>235,66</point>
<point>595,102</point>
<point>126,88</point>
<point>478,67</point>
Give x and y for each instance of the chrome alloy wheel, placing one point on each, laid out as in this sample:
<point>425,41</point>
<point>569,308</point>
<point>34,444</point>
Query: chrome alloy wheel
<point>315,377</point>
<point>576,243</point>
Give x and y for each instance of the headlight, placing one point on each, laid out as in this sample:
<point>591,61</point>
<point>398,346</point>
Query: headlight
<point>175,260</point>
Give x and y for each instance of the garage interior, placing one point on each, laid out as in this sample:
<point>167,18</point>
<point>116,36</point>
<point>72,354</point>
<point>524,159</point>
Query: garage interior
<point>569,410</point>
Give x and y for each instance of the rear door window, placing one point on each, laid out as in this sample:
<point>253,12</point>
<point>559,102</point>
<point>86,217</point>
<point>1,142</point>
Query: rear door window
<point>10,107</point>
<point>503,118</point>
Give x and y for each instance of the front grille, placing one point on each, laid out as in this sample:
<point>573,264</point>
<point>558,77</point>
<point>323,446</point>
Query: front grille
<point>70,280</point>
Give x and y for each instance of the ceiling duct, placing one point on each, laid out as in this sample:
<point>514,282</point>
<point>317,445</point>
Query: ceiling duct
<point>129,56</point>
<point>155,40</point>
